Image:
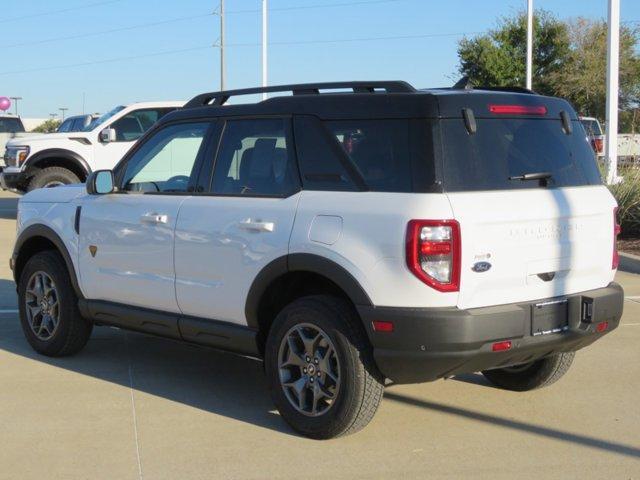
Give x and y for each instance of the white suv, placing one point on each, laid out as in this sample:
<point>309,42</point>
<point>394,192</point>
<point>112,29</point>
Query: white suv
<point>346,238</point>
<point>63,158</point>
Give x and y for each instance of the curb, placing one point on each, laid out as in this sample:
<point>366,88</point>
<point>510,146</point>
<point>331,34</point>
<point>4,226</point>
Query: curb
<point>629,263</point>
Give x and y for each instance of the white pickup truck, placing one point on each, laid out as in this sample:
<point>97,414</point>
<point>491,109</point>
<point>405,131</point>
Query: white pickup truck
<point>64,158</point>
<point>11,126</point>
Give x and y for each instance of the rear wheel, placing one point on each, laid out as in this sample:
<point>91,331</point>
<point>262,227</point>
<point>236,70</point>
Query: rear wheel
<point>530,376</point>
<point>48,305</point>
<point>319,368</point>
<point>52,177</point>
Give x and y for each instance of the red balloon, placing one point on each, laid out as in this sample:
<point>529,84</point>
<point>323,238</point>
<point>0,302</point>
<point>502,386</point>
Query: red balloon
<point>5,104</point>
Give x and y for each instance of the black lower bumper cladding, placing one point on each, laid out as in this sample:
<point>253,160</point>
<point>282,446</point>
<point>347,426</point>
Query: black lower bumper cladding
<point>431,343</point>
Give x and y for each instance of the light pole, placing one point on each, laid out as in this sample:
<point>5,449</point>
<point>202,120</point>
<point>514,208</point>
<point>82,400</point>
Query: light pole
<point>15,102</point>
<point>529,43</point>
<point>613,60</point>
<point>53,116</point>
<point>222,65</point>
<point>264,45</point>
<point>63,109</point>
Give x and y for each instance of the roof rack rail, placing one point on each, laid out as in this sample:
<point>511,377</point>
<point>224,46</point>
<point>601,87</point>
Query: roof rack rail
<point>465,84</point>
<point>508,89</point>
<point>220,98</point>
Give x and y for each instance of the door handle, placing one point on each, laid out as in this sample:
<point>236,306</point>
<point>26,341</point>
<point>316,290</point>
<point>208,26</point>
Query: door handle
<point>154,218</point>
<point>257,226</point>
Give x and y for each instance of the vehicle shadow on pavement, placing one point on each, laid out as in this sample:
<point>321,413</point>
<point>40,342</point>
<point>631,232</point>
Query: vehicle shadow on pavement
<point>203,378</point>
<point>8,208</point>
<point>547,432</point>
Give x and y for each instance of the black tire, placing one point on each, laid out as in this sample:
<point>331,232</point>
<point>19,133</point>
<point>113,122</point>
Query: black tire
<point>73,331</point>
<point>52,176</point>
<point>360,385</point>
<point>538,374</point>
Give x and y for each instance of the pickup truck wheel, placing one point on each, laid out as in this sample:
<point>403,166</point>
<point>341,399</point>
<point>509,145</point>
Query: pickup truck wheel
<point>52,177</point>
<point>538,374</point>
<point>48,306</point>
<point>320,370</point>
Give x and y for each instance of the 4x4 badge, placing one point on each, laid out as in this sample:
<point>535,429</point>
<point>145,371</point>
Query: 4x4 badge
<point>480,267</point>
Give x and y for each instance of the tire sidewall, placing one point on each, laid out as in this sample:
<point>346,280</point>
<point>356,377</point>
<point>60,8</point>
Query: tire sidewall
<point>351,382</point>
<point>41,178</point>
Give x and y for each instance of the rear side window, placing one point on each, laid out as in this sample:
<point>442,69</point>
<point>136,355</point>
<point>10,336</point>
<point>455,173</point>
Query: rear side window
<point>509,147</point>
<point>134,124</point>
<point>255,158</point>
<point>379,149</point>
<point>380,155</point>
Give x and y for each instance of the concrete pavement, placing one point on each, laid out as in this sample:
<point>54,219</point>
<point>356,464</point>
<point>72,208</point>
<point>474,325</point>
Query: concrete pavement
<point>131,406</point>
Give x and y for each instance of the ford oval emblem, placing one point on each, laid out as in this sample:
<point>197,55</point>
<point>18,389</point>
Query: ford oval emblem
<point>480,267</point>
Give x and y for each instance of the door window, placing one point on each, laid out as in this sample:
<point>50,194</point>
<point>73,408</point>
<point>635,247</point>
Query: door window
<point>165,163</point>
<point>134,124</point>
<point>255,158</point>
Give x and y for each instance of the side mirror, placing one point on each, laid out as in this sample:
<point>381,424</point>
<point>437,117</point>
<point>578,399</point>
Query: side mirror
<point>108,135</point>
<point>100,182</point>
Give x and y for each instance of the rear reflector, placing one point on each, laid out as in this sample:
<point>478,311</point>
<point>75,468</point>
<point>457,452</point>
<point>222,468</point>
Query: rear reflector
<point>518,109</point>
<point>382,326</point>
<point>602,326</point>
<point>615,261</point>
<point>501,346</point>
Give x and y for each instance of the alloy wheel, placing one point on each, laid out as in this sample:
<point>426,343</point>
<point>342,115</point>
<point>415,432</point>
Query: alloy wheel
<point>309,369</point>
<point>42,305</point>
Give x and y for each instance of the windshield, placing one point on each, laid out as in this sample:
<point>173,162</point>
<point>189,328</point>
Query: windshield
<point>503,149</point>
<point>103,118</point>
<point>10,125</point>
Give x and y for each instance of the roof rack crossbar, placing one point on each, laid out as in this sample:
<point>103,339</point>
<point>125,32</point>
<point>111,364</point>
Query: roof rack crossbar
<point>220,98</point>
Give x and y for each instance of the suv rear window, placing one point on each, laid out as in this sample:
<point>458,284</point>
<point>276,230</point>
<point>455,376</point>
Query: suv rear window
<point>503,148</point>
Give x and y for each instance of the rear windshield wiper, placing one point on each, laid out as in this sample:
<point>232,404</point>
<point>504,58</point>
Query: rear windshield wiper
<point>532,176</point>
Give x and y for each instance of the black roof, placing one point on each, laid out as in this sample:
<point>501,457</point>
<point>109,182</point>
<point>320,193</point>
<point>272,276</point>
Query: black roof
<point>376,99</point>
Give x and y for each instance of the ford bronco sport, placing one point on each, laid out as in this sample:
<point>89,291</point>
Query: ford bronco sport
<point>349,235</point>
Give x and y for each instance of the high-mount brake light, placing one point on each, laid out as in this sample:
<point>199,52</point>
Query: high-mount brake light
<point>433,253</point>
<point>518,109</point>
<point>616,231</point>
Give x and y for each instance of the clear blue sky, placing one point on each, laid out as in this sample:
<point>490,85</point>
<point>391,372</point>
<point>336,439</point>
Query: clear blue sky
<point>28,62</point>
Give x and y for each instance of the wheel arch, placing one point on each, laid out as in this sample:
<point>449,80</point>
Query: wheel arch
<point>37,238</point>
<point>291,276</point>
<point>60,157</point>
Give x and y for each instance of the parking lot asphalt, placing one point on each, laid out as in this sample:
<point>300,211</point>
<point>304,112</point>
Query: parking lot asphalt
<point>131,406</point>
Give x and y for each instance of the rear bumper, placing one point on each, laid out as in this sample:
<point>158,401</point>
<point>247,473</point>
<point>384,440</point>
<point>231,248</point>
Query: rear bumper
<point>431,343</point>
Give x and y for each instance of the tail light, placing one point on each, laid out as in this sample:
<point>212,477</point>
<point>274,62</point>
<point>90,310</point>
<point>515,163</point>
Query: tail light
<point>616,231</point>
<point>433,253</point>
<point>598,145</point>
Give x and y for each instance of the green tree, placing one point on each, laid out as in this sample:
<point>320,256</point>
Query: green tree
<point>48,126</point>
<point>498,58</point>
<point>583,79</point>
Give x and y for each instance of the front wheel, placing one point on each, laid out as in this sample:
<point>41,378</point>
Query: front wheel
<point>49,313</point>
<point>530,376</point>
<point>319,368</point>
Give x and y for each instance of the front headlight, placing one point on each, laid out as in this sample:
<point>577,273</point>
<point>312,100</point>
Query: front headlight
<point>15,156</point>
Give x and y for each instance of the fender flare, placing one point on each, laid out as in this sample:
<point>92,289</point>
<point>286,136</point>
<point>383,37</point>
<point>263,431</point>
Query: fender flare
<point>302,262</point>
<point>49,234</point>
<point>58,153</point>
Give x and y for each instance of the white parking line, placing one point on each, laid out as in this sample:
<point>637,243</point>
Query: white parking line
<point>9,311</point>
